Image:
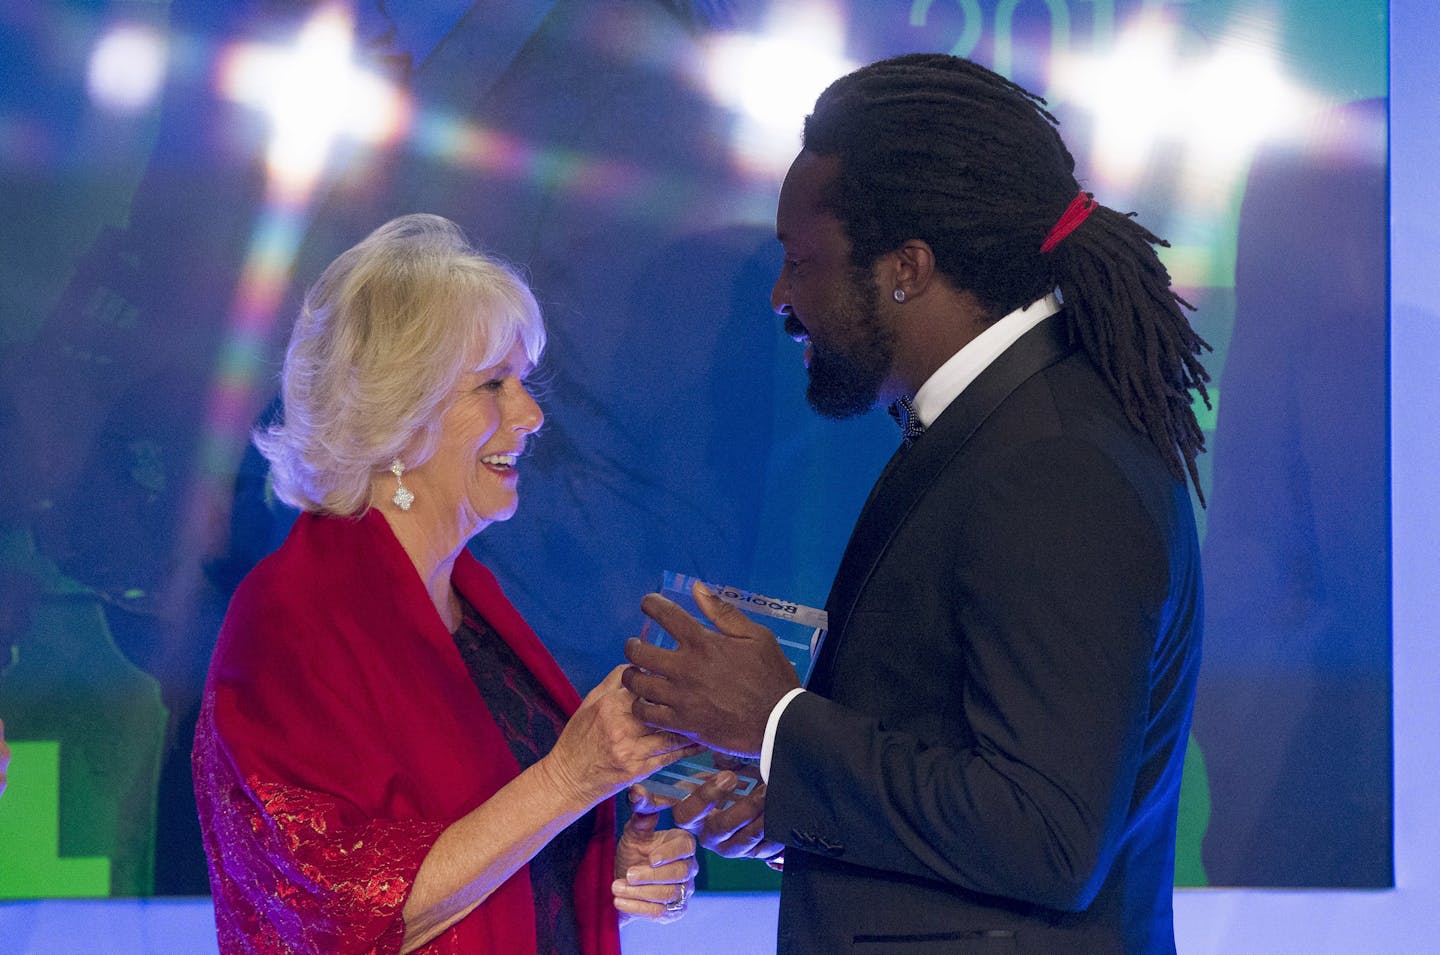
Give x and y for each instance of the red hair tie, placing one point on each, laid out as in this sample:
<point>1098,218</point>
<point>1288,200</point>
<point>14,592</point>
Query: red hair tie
<point>1075,213</point>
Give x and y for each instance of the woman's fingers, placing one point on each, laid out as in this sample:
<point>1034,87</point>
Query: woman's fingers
<point>660,902</point>
<point>674,847</point>
<point>645,803</point>
<point>660,887</point>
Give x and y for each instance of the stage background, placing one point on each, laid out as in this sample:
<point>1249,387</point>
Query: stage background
<point>151,258</point>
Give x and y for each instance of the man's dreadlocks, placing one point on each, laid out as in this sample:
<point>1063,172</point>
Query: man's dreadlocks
<point>938,148</point>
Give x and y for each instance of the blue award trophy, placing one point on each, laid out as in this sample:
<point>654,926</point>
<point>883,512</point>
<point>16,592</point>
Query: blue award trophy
<point>797,628</point>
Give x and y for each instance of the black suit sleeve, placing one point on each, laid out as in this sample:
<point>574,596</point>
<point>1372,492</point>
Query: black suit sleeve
<point>1056,591</point>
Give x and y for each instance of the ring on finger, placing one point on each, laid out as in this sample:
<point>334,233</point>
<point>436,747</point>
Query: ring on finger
<point>678,903</point>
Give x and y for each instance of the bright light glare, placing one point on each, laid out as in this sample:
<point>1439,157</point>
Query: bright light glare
<point>1239,98</point>
<point>126,68</point>
<point>775,83</point>
<point>314,95</point>
<point>772,81</point>
<point>1130,92</point>
<point>1217,109</point>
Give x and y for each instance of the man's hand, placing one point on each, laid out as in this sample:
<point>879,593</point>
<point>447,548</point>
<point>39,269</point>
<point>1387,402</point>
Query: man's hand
<point>715,687</point>
<point>736,832</point>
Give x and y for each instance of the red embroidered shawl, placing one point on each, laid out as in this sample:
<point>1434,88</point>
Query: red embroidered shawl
<point>340,733</point>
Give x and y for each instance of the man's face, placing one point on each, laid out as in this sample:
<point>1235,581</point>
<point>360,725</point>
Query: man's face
<point>829,305</point>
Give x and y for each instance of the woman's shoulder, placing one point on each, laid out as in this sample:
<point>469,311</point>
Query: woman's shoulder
<point>333,579</point>
<point>284,573</point>
<point>282,594</point>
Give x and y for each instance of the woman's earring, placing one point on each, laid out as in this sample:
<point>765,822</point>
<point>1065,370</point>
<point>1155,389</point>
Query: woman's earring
<point>899,295</point>
<point>404,497</point>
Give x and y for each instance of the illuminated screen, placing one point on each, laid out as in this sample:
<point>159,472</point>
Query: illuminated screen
<point>175,174</point>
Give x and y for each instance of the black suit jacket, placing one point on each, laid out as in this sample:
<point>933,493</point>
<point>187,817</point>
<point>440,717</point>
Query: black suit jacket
<point>991,757</point>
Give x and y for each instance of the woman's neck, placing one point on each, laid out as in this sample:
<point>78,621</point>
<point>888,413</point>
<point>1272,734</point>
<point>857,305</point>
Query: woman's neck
<point>432,547</point>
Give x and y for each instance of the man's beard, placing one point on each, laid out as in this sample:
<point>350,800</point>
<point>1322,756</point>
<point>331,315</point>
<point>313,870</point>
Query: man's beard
<point>846,381</point>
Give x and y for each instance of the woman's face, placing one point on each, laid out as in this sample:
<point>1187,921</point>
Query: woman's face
<point>473,473</point>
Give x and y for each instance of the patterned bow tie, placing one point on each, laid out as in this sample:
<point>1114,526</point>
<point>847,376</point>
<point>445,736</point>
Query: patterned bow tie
<point>903,411</point>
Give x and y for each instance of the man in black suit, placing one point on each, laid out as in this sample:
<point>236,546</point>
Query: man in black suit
<point>988,755</point>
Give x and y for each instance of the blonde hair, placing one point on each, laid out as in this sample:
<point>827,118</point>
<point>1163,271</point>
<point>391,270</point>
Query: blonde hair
<point>377,349</point>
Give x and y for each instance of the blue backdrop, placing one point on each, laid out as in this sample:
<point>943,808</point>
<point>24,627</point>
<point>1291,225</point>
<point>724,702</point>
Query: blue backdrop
<point>626,155</point>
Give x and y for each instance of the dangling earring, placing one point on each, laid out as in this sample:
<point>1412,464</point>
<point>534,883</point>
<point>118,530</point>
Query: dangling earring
<point>404,497</point>
<point>899,295</point>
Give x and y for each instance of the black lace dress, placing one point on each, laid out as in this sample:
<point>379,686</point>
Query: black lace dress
<point>531,722</point>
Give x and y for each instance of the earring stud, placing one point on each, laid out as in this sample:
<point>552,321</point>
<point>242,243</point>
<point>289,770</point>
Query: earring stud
<point>899,295</point>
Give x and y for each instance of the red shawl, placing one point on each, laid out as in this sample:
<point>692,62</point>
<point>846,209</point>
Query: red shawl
<point>340,733</point>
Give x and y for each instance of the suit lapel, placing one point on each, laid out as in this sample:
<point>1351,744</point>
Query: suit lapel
<point>912,471</point>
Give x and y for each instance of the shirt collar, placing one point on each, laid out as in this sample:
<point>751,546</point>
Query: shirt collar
<point>953,377</point>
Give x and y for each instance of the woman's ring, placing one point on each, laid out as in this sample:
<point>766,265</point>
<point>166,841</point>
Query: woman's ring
<point>678,903</point>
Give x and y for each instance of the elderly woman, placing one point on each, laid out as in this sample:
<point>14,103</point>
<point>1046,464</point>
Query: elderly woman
<point>387,759</point>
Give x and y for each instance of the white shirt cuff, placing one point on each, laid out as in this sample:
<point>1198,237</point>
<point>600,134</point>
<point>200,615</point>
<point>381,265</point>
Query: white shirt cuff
<point>767,748</point>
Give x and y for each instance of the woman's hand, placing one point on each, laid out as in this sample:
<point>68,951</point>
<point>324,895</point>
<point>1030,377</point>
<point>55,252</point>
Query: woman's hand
<point>601,749</point>
<point>604,747</point>
<point>654,870</point>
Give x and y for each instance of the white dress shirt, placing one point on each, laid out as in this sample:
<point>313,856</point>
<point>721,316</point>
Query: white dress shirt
<point>932,398</point>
